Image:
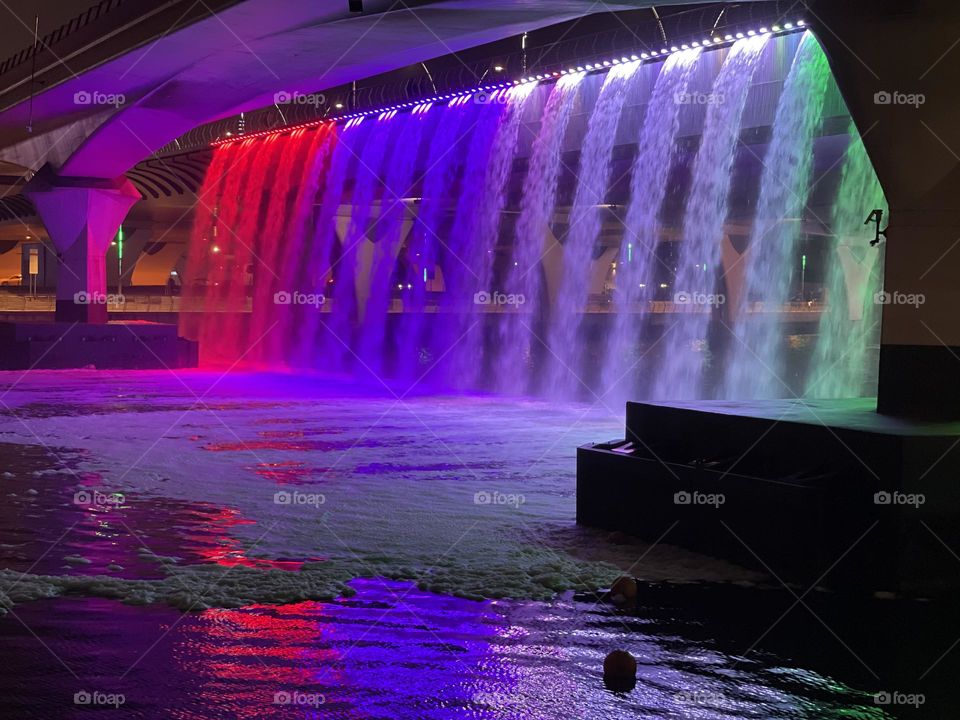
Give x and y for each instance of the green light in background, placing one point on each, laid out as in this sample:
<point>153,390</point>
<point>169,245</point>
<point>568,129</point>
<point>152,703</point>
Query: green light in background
<point>120,260</point>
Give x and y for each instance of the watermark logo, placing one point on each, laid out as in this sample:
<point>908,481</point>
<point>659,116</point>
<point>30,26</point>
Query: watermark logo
<point>898,298</point>
<point>699,697</point>
<point>914,500</point>
<point>98,298</point>
<point>489,98</point>
<point>284,297</point>
<point>92,498</point>
<point>886,697</point>
<point>98,699</point>
<point>86,97</point>
<point>300,699</point>
<point>284,97</point>
<point>895,97</point>
<point>714,500</point>
<point>298,498</point>
<point>699,298</point>
<point>498,298</point>
<point>698,98</point>
<point>484,497</point>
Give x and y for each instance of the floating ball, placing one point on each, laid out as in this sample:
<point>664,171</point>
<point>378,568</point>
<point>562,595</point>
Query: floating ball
<point>620,670</point>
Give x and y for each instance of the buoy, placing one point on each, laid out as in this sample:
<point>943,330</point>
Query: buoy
<point>624,591</point>
<point>620,670</point>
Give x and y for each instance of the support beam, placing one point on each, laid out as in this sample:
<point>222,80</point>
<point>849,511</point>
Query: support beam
<point>82,216</point>
<point>896,63</point>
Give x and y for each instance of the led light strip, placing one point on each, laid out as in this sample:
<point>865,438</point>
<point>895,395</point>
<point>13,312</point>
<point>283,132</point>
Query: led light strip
<point>264,133</point>
<point>458,98</point>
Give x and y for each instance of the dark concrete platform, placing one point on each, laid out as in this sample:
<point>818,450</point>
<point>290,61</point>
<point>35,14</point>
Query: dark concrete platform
<point>115,345</point>
<point>822,491</point>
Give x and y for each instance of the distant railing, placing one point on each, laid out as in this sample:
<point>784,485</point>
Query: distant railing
<point>11,302</point>
<point>51,39</point>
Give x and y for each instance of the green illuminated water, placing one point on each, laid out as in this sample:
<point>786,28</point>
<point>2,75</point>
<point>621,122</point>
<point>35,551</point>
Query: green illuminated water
<point>845,359</point>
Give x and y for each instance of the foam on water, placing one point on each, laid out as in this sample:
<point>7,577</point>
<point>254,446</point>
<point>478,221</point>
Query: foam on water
<point>467,496</point>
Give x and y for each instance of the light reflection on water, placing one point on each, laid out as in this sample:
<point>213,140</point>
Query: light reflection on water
<point>392,651</point>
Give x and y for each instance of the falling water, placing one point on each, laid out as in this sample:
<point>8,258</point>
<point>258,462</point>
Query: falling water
<point>367,190</point>
<point>202,237</point>
<point>517,335</point>
<point>850,329</point>
<point>397,223</point>
<point>394,217</point>
<point>480,254</point>
<point>269,244</point>
<point>681,374</point>
<point>444,159</point>
<point>648,186</point>
<point>564,374</point>
<point>220,265</point>
<point>320,258</point>
<point>756,366</point>
<point>243,252</point>
<point>294,274</point>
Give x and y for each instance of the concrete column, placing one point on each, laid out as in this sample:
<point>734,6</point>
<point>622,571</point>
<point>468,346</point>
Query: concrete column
<point>896,64</point>
<point>82,216</point>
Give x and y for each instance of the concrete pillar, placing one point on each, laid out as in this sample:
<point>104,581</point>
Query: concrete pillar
<point>734,269</point>
<point>896,64</point>
<point>82,216</point>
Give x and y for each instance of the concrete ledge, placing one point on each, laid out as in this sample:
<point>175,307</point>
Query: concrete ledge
<point>864,502</point>
<point>115,345</point>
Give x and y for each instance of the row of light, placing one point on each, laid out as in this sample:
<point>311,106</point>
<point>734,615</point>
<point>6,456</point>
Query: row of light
<point>458,98</point>
<point>654,54</point>
<point>264,133</point>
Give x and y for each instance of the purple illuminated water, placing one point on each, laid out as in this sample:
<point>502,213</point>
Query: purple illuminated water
<point>519,333</point>
<point>345,314</point>
<point>199,480</point>
<point>459,272</point>
<point>696,281</point>
<point>648,186</point>
<point>477,252</point>
<point>564,368</point>
<point>444,158</point>
<point>389,231</point>
<point>322,254</point>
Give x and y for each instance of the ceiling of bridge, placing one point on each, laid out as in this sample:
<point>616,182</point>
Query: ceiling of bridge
<point>238,59</point>
<point>17,18</point>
